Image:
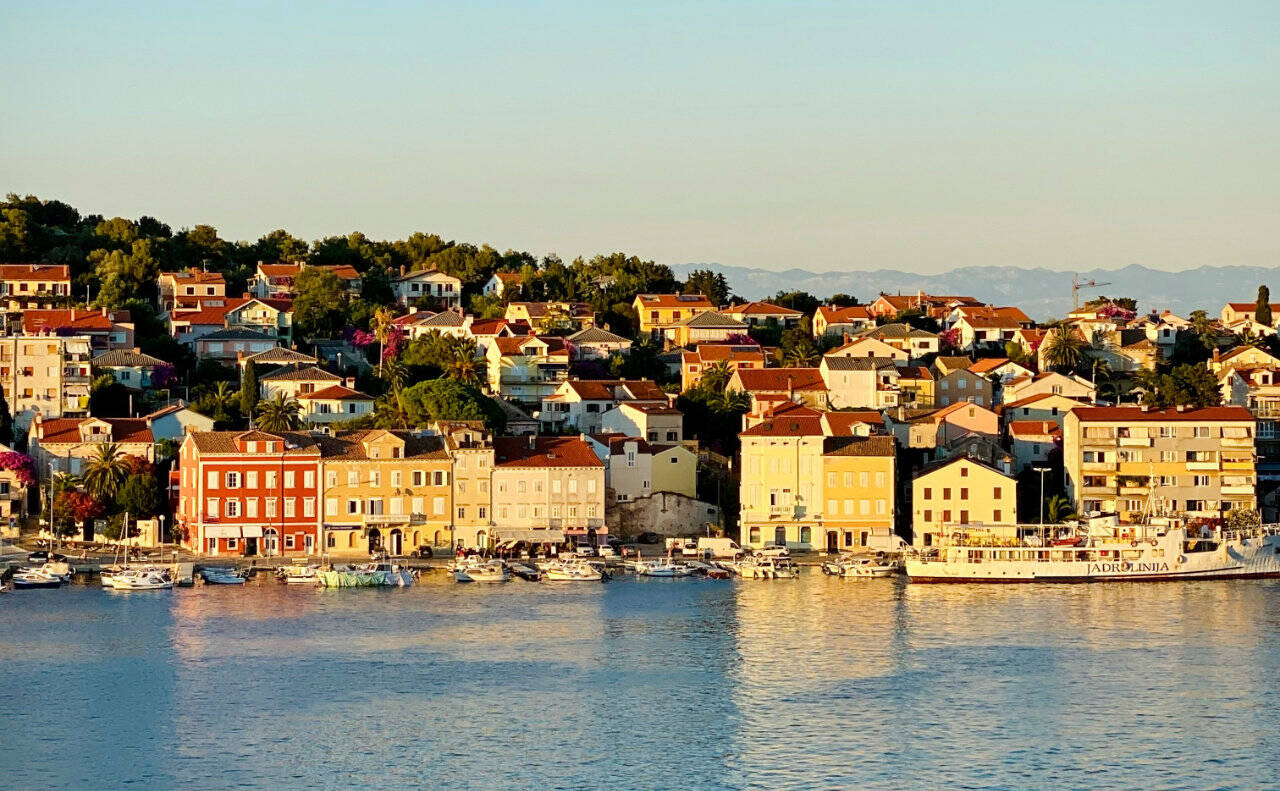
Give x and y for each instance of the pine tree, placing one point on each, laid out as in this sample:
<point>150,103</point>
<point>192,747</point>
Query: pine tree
<point>249,390</point>
<point>1263,314</point>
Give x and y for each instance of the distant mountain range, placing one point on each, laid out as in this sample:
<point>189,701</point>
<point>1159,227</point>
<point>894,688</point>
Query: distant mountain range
<point>1042,293</point>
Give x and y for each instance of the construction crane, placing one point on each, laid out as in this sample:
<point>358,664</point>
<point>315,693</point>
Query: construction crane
<point>1075,289</point>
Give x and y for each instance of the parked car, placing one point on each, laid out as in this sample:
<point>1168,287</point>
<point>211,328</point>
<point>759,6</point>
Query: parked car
<point>773,551</point>
<point>422,552</point>
<point>585,551</point>
<point>44,556</point>
<point>648,538</point>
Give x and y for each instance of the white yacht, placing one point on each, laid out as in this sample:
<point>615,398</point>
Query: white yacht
<point>663,568</point>
<point>299,574</point>
<point>1100,549</point>
<point>142,579</point>
<point>572,571</point>
<point>482,571</point>
<point>860,567</point>
<point>767,568</point>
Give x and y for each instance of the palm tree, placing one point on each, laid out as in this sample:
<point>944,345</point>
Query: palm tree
<point>799,355</point>
<point>382,323</point>
<point>389,412</point>
<point>279,413</point>
<point>1063,351</point>
<point>105,472</point>
<point>1058,509</point>
<point>730,401</point>
<point>715,376</point>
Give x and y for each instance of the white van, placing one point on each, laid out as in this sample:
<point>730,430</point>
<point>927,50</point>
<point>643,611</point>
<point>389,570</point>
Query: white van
<point>720,547</point>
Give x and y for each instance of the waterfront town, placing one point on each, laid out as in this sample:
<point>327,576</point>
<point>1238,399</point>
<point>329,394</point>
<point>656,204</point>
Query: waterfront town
<point>347,398</point>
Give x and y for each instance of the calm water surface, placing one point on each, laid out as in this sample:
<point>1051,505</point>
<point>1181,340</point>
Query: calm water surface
<point>803,683</point>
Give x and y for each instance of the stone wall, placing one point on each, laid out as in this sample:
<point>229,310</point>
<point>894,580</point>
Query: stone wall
<point>665,513</point>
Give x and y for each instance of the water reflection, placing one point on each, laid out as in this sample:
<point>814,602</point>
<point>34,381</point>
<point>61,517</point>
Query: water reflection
<point>816,682</point>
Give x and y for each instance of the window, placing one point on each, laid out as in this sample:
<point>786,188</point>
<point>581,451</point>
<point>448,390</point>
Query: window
<point>462,513</point>
<point>417,477</point>
<point>233,480</point>
<point>233,507</point>
<point>481,512</point>
<point>831,479</point>
<point>353,506</point>
<point>964,517</point>
<point>521,487</point>
<point>331,506</point>
<point>290,479</point>
<point>1201,432</point>
<point>232,543</point>
<point>353,478</point>
<point>251,508</point>
<point>395,478</point>
<point>964,472</point>
<point>928,493</point>
<point>288,542</point>
<point>251,479</point>
<point>946,493</point>
<point>290,507</point>
<point>437,505</point>
<point>439,478</point>
<point>271,479</point>
<point>833,506</point>
<point>880,480</point>
<point>1200,480</point>
<point>271,507</point>
<point>212,479</point>
<point>375,478</point>
<point>996,515</point>
<point>211,507</point>
<point>309,479</point>
<point>928,516</point>
<point>309,507</point>
<point>946,516</point>
<point>964,493</point>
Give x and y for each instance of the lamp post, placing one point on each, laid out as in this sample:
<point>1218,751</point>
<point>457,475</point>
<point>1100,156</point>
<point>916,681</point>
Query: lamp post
<point>1042,471</point>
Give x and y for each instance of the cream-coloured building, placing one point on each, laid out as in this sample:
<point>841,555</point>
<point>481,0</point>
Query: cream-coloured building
<point>45,374</point>
<point>25,286</point>
<point>653,422</point>
<point>1131,460</point>
<point>472,450</point>
<point>64,445</point>
<point>547,483</point>
<point>960,492</point>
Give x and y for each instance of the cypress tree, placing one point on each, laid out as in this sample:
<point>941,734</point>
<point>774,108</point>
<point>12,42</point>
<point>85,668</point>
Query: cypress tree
<point>249,391</point>
<point>1263,314</point>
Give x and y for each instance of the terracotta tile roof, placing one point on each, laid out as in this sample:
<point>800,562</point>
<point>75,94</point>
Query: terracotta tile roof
<point>951,409</point>
<point>78,319</point>
<point>617,390</point>
<point>66,431</point>
<point>651,409</point>
<point>544,452</point>
<point>858,446</point>
<point>1249,307</point>
<point>189,276</point>
<point>953,363</point>
<point>843,423</point>
<point>1002,316</point>
<point>417,273</point>
<point>716,352</point>
<point>209,315</point>
<point>844,315</point>
<point>787,426</point>
<point>656,301</point>
<point>915,372</point>
<point>280,304</point>
<point>309,374</point>
<point>224,442</point>
<point>761,309</point>
<point>780,379</point>
<point>1031,399</point>
<point>350,445</point>
<point>1133,413</point>
<point>509,277</point>
<point>280,356</point>
<point>596,335</point>
<point>344,271</point>
<point>335,393</point>
<point>1034,428</point>
<point>493,326</point>
<point>986,365</point>
<point>512,346</point>
<point>839,363</point>
<point>126,358</point>
<point>47,272</point>
<point>280,270</point>
<point>536,310</point>
<point>897,331</point>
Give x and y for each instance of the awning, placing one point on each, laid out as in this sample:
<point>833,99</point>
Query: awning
<point>582,531</point>
<point>514,534</point>
<point>251,531</point>
<point>222,531</point>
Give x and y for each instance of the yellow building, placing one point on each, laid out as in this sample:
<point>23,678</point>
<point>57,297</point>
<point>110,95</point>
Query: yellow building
<point>1130,460</point>
<point>384,491</point>
<point>658,312</point>
<point>675,469</point>
<point>784,496</point>
<point>472,450</point>
<point>960,492</point>
<point>29,286</point>
<point>858,492</point>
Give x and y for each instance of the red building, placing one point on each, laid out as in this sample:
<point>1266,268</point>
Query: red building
<point>249,493</point>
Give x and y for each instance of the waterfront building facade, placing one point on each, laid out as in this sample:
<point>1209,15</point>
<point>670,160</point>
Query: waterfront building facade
<point>960,493</point>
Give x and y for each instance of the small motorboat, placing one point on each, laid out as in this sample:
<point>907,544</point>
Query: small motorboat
<point>663,568</point>
<point>572,571</point>
<point>54,568</point>
<point>144,579</point>
<point>221,576</point>
<point>524,571</point>
<point>486,571</point>
<point>767,568</point>
<point>299,574</point>
<point>35,578</point>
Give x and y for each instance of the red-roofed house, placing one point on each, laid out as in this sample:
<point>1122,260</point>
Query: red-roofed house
<point>694,363</point>
<point>760,314</point>
<point>190,289</point>
<point>987,327</point>
<point>835,321</point>
<point>26,286</point>
<point>63,444</point>
<point>579,403</point>
<point>334,404</point>
<point>1234,312</point>
<point>660,312</point>
<point>106,329</point>
<point>267,316</point>
<point>803,385</point>
<point>1032,441</point>
<point>526,368</point>
<point>548,483</point>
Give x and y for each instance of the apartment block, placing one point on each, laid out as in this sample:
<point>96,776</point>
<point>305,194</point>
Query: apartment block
<point>1131,460</point>
<point>46,374</point>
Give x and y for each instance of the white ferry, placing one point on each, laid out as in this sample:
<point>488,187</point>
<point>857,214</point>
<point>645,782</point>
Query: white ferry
<point>1099,549</point>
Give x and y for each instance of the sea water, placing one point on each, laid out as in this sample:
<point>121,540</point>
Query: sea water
<point>647,684</point>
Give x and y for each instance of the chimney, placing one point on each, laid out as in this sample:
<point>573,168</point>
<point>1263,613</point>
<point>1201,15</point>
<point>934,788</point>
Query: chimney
<point>73,314</point>
<point>402,270</point>
<point>105,313</point>
<point>1145,407</point>
<point>137,350</point>
<point>533,441</point>
<point>1182,407</point>
<point>413,309</point>
<point>1217,354</point>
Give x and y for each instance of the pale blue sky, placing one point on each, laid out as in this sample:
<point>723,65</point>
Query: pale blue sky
<point>819,135</point>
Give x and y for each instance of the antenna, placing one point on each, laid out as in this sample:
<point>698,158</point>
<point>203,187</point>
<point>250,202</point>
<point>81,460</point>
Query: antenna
<point>1076,283</point>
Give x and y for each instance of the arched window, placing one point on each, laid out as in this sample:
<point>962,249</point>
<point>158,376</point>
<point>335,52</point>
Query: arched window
<point>351,540</point>
<point>805,535</point>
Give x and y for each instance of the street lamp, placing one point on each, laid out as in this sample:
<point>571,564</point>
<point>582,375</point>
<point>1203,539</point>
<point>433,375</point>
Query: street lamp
<point>1042,471</point>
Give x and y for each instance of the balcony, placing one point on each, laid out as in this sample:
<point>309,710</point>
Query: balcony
<point>1098,491</point>
<point>1135,442</point>
<point>1139,490</point>
<point>1202,465</point>
<point>1098,466</point>
<point>1237,442</point>
<point>1098,442</point>
<point>1238,489</point>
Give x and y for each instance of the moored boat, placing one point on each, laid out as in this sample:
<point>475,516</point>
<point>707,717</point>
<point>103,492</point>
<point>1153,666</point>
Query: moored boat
<point>1101,549</point>
<point>35,578</point>
<point>768,568</point>
<point>222,576</point>
<point>142,579</point>
<point>663,568</point>
<point>572,571</point>
<point>859,567</point>
<point>483,571</point>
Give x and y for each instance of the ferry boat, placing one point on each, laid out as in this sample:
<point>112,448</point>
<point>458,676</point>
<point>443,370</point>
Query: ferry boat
<point>1100,549</point>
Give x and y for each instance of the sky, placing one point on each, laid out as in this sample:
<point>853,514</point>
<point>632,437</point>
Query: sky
<point>922,136</point>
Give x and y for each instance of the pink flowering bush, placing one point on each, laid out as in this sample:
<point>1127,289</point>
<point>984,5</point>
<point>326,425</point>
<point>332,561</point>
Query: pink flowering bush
<point>21,465</point>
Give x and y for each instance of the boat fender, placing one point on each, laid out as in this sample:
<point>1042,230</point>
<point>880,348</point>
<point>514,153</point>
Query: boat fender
<point>1182,558</point>
<point>1153,542</point>
<point>1133,543</point>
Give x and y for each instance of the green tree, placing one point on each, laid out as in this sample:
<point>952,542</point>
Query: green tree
<point>1058,509</point>
<point>319,302</point>
<point>842,300</point>
<point>279,413</point>
<point>105,472</point>
<point>6,422</point>
<point>1262,314</point>
<point>711,284</point>
<point>446,399</point>
<point>249,389</point>
<point>382,322</point>
<point>141,496</point>
<point>1063,351</point>
<point>802,301</point>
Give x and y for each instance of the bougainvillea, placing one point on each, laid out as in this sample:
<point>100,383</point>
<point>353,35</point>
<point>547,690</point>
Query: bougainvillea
<point>163,375</point>
<point>395,339</point>
<point>950,339</point>
<point>21,465</point>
